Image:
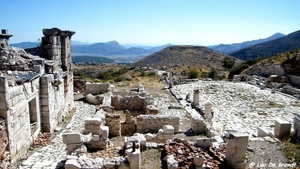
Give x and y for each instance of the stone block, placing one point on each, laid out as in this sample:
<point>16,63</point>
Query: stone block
<point>164,136</point>
<point>149,136</point>
<point>71,138</point>
<point>3,84</point>
<point>72,164</point>
<point>168,129</point>
<point>262,132</point>
<point>236,149</point>
<point>297,125</point>
<point>104,130</point>
<point>203,142</point>
<point>198,161</point>
<point>72,147</point>
<point>282,129</point>
<point>160,131</point>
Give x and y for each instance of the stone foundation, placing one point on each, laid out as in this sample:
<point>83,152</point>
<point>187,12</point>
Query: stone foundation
<point>152,123</point>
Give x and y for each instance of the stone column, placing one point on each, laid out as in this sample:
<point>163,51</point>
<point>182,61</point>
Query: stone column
<point>208,114</point>
<point>196,97</point>
<point>236,150</point>
<point>170,80</point>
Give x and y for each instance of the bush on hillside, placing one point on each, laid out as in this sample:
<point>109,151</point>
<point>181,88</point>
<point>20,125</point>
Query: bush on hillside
<point>193,73</point>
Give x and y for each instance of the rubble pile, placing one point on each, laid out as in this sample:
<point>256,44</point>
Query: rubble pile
<point>42,140</point>
<point>187,155</point>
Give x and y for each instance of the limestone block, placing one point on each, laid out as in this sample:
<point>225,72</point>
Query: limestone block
<point>198,161</point>
<point>151,109</point>
<point>297,125</point>
<point>141,139</point>
<point>94,99</point>
<point>160,131</point>
<point>203,142</point>
<point>168,129</point>
<point>164,136</point>
<point>3,84</point>
<point>171,162</point>
<point>104,130</point>
<point>72,147</point>
<point>71,138</point>
<point>282,128</point>
<point>72,164</point>
<point>262,132</point>
<point>236,149</point>
<point>149,136</point>
<point>134,159</point>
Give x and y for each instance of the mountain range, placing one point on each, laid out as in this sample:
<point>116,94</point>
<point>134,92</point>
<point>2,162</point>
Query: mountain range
<point>270,48</point>
<point>229,48</point>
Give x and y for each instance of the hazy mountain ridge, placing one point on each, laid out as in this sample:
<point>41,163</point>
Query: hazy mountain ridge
<point>228,48</point>
<point>270,48</point>
<point>179,55</point>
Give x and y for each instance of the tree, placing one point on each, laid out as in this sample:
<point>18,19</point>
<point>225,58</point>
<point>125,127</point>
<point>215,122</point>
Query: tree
<point>193,73</point>
<point>228,63</point>
<point>213,73</point>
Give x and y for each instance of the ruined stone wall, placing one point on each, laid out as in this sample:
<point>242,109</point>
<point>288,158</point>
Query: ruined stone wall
<point>294,80</point>
<point>97,88</point>
<point>128,102</point>
<point>113,122</point>
<point>54,105</point>
<point>266,70</point>
<point>20,108</point>
<point>3,138</point>
<point>152,123</point>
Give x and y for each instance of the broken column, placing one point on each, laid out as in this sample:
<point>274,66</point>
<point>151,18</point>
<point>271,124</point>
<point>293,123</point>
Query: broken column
<point>236,150</point>
<point>133,156</point>
<point>282,129</point>
<point>170,80</point>
<point>208,114</point>
<point>196,97</point>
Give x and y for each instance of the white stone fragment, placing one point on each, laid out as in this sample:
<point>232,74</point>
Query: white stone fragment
<point>168,129</point>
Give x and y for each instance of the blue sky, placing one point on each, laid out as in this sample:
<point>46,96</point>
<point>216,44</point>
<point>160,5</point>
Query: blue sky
<point>152,22</point>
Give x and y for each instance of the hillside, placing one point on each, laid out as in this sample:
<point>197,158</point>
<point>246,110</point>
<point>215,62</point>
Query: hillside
<point>197,56</point>
<point>270,48</point>
<point>229,48</point>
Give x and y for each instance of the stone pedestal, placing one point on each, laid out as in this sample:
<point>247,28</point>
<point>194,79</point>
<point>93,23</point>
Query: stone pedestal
<point>236,150</point>
<point>208,114</point>
<point>196,97</point>
<point>134,159</point>
<point>282,129</point>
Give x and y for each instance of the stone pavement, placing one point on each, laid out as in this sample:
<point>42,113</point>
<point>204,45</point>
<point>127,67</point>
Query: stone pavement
<point>242,107</point>
<point>50,157</point>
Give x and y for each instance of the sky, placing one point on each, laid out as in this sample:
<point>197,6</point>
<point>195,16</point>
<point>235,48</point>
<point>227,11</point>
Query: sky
<point>151,22</point>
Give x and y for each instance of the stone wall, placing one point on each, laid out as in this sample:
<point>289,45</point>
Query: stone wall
<point>135,102</point>
<point>152,123</point>
<point>294,80</point>
<point>20,108</point>
<point>3,138</point>
<point>113,122</point>
<point>97,88</point>
<point>266,70</point>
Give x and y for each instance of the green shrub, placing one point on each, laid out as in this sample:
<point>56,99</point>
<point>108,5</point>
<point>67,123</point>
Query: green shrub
<point>151,73</point>
<point>213,73</point>
<point>193,73</point>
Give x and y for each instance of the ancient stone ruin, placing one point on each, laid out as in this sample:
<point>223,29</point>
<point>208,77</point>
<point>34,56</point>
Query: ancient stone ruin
<point>36,92</point>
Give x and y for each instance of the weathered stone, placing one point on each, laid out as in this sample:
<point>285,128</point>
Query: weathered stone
<point>261,132</point>
<point>203,142</point>
<point>282,129</point>
<point>168,129</point>
<point>71,138</point>
<point>72,164</point>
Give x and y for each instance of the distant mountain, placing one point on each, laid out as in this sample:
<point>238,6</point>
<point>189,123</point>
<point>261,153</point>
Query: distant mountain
<point>229,48</point>
<point>270,48</point>
<point>198,56</point>
<point>113,48</point>
<point>25,45</point>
